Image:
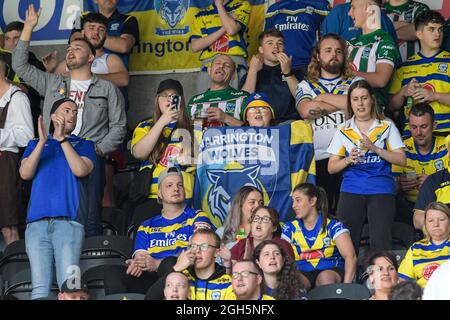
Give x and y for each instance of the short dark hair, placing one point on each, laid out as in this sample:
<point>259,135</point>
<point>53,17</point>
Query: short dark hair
<point>91,47</point>
<point>210,232</point>
<point>426,17</point>
<point>14,26</point>
<point>406,290</point>
<point>95,17</point>
<point>422,109</point>
<point>269,33</point>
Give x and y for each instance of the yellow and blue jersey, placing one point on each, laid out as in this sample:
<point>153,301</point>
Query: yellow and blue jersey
<point>422,258</point>
<point>374,175</point>
<point>435,160</point>
<point>172,150</point>
<point>161,237</point>
<point>218,287</point>
<point>315,249</point>
<point>433,73</point>
<point>207,21</point>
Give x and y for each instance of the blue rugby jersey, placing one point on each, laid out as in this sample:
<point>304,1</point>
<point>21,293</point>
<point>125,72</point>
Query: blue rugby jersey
<point>299,22</point>
<point>315,249</point>
<point>161,237</point>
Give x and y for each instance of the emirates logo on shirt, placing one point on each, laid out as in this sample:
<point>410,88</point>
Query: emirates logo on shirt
<point>429,269</point>
<point>221,44</point>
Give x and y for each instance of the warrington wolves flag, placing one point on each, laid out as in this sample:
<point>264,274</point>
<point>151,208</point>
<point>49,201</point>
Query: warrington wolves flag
<point>165,29</point>
<point>272,159</point>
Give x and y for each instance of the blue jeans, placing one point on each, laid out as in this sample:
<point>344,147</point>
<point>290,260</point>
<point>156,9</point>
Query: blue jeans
<point>49,239</point>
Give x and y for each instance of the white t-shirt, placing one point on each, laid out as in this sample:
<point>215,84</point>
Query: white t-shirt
<point>324,127</point>
<point>18,129</point>
<point>78,89</point>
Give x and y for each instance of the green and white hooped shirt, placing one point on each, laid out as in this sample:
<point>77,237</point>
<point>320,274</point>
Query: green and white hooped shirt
<point>368,50</point>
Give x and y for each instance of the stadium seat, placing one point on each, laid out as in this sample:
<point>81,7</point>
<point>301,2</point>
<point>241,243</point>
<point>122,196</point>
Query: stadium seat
<point>403,236</point>
<point>104,250</point>
<point>123,296</point>
<point>14,260</point>
<point>94,278</point>
<point>114,222</point>
<point>20,285</point>
<point>340,291</point>
<point>399,255</point>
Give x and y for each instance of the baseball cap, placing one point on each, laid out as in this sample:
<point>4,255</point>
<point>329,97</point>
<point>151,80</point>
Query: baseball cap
<point>59,102</point>
<point>71,285</point>
<point>172,171</point>
<point>258,99</point>
<point>170,84</point>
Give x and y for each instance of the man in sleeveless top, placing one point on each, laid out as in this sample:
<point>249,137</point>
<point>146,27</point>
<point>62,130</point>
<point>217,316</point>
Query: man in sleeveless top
<point>107,66</point>
<point>16,129</point>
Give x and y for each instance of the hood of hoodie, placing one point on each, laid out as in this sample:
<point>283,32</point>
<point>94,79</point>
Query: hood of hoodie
<point>218,272</point>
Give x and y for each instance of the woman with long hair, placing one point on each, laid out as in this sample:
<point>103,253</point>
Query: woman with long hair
<point>282,280</point>
<point>163,141</point>
<point>237,223</point>
<point>322,245</point>
<point>426,255</point>
<point>364,149</point>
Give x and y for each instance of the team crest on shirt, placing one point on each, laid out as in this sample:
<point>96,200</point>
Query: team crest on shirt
<point>172,12</point>
<point>439,165</point>
<point>442,67</point>
<point>429,269</point>
<point>215,295</point>
<point>114,27</point>
<point>309,10</point>
<point>230,107</point>
<point>326,241</point>
<point>366,52</point>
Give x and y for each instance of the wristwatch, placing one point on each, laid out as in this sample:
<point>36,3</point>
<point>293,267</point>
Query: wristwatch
<point>288,74</point>
<point>63,140</point>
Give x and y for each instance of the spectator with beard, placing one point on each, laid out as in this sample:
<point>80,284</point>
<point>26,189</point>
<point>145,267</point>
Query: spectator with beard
<point>107,66</point>
<point>322,99</point>
<point>101,115</point>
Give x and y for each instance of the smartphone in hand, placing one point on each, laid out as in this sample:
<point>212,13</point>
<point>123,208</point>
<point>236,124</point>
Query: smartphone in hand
<point>175,101</point>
